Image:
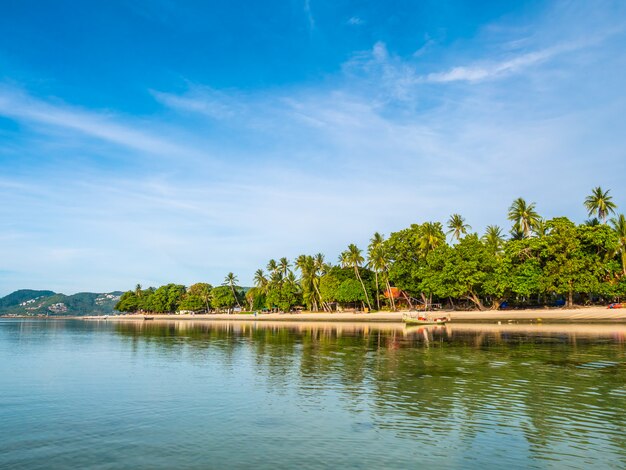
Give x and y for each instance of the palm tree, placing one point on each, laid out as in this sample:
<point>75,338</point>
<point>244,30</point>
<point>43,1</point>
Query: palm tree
<point>320,268</point>
<point>619,225</point>
<point>374,255</point>
<point>260,281</point>
<point>541,227</point>
<point>138,290</point>
<point>272,266</point>
<point>524,216</point>
<point>431,237</point>
<point>600,203</point>
<point>231,280</point>
<point>494,238</point>
<point>284,266</point>
<point>457,226</point>
<point>352,257</point>
<point>379,261</point>
<point>306,265</point>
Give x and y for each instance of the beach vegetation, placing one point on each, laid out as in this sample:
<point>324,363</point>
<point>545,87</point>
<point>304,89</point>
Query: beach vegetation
<point>542,262</point>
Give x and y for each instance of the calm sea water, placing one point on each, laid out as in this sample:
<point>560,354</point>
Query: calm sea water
<point>108,395</point>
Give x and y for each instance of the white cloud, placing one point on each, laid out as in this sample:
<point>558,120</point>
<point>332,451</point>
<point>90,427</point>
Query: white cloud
<point>22,107</point>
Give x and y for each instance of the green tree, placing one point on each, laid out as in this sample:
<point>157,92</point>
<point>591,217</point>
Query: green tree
<point>166,299</point>
<point>197,297</point>
<point>224,297</point>
<point>129,302</point>
<point>619,225</point>
<point>599,203</point>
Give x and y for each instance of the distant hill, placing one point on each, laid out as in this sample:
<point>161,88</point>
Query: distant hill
<point>46,302</point>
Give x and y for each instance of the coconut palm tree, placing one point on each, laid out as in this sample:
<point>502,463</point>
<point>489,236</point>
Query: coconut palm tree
<point>600,203</point>
<point>541,228</point>
<point>619,225</point>
<point>379,261</point>
<point>284,266</point>
<point>231,280</point>
<point>138,290</point>
<point>494,239</point>
<point>260,281</point>
<point>272,266</point>
<point>374,255</point>
<point>524,216</point>
<point>320,268</point>
<point>432,236</point>
<point>306,265</point>
<point>352,257</point>
<point>457,226</point>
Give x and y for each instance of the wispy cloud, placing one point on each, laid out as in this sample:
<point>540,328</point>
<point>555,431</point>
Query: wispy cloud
<point>104,126</point>
<point>309,15</point>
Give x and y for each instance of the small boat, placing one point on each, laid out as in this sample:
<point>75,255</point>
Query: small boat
<point>417,320</point>
<point>148,318</point>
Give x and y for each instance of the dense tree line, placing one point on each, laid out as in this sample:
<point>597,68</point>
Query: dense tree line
<point>540,262</point>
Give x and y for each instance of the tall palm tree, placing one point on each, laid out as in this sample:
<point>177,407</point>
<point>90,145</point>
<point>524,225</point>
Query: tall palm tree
<point>260,281</point>
<point>619,225</point>
<point>320,267</point>
<point>272,266</point>
<point>457,226</point>
<point>231,280</point>
<point>524,216</point>
<point>284,266</point>
<point>600,203</point>
<point>494,239</point>
<point>379,261</point>
<point>305,264</point>
<point>432,236</point>
<point>352,257</point>
<point>374,255</point>
<point>138,290</point>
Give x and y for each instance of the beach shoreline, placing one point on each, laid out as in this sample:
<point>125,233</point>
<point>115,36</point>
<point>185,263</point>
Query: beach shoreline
<point>575,315</point>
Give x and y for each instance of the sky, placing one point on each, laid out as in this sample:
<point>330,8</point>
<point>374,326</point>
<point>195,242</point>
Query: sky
<point>157,141</point>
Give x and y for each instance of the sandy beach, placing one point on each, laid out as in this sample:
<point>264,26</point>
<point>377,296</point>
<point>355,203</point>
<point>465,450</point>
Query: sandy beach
<point>575,315</point>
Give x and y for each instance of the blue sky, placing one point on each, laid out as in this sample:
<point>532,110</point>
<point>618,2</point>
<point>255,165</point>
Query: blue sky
<point>160,141</point>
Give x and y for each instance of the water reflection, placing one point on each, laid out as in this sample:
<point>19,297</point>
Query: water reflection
<point>552,392</point>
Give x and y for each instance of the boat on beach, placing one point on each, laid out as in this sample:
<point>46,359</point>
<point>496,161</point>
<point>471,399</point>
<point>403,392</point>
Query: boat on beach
<point>148,318</point>
<point>424,320</point>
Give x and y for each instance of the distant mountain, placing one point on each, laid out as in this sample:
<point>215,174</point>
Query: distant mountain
<point>46,302</point>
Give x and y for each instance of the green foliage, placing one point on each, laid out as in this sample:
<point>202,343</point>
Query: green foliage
<point>197,298</point>
<point>222,297</point>
<point>350,291</point>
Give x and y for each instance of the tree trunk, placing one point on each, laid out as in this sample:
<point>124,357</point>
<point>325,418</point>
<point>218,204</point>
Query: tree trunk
<point>319,294</point>
<point>235,295</point>
<point>391,299</point>
<point>377,296</point>
<point>356,270</point>
<point>474,298</point>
